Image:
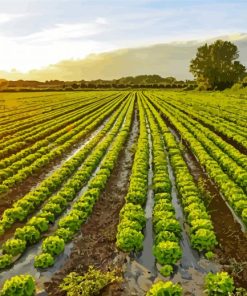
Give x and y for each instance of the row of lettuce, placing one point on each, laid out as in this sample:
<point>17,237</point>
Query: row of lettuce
<point>233,131</point>
<point>213,160</point>
<point>76,172</point>
<point>43,114</point>
<point>167,228</point>
<point>18,171</point>
<point>220,284</point>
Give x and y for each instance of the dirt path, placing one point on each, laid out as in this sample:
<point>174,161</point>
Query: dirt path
<point>95,245</point>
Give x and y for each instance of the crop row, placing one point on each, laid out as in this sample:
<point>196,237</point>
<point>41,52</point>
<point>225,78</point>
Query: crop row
<point>31,232</point>
<point>224,129</point>
<point>233,193</point>
<point>41,159</point>
<point>132,216</point>
<point>49,143</point>
<point>21,141</point>
<point>167,229</point>
<point>201,232</point>
<point>81,209</point>
<point>208,139</point>
<point>18,126</point>
<point>29,203</point>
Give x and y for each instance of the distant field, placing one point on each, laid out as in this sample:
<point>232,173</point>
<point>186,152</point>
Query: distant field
<point>93,178</point>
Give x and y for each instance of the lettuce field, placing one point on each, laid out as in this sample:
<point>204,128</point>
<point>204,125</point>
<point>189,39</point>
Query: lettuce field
<point>140,185</point>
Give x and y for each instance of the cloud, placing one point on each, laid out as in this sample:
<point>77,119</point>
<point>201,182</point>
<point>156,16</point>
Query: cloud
<point>6,17</point>
<point>67,31</point>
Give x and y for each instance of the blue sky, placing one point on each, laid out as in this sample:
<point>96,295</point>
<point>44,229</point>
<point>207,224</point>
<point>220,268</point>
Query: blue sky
<point>35,33</point>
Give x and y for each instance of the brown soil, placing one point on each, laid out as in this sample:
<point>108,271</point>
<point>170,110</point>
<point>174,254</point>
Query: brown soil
<point>95,245</point>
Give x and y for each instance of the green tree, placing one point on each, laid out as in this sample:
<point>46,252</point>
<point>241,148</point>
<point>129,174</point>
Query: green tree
<point>215,65</point>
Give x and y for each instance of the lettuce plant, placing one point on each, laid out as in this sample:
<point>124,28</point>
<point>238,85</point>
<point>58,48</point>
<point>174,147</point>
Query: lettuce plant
<point>219,284</point>
<point>14,246</point>
<point>165,288</point>
<point>28,233</point>
<point>40,223</point>
<point>129,240</point>
<point>5,261</point>
<point>203,239</point>
<point>19,285</point>
<point>43,260</point>
<point>167,252</point>
<point>53,245</point>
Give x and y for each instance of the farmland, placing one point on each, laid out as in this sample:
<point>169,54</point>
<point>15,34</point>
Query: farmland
<point>146,183</point>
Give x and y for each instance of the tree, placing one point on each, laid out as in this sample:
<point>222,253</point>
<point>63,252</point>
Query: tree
<point>215,65</point>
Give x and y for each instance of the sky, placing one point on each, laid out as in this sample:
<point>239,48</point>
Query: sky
<point>37,33</point>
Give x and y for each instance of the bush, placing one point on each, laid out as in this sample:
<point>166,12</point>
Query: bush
<point>219,284</point>
<point>53,245</point>
<point>14,246</point>
<point>165,288</point>
<point>28,233</point>
<point>19,285</point>
<point>167,252</point>
<point>43,260</point>
<point>91,283</point>
<point>129,240</point>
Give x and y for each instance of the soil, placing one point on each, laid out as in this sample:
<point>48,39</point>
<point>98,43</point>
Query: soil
<point>95,245</point>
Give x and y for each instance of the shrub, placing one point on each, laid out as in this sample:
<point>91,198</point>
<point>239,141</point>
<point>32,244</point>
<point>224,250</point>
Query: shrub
<point>14,246</point>
<point>19,285</point>
<point>53,245</point>
<point>167,252</point>
<point>129,240</point>
<point>219,284</point>
<point>165,288</point>
<point>91,283</point>
<point>28,233</point>
<point>44,260</point>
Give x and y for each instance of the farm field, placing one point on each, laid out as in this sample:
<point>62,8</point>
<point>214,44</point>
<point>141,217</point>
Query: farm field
<point>149,184</point>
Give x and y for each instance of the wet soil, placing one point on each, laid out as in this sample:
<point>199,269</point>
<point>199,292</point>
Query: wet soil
<point>95,245</point>
<point>231,250</point>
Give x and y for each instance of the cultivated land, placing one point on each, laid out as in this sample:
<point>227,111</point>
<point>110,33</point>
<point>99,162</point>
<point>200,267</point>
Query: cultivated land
<point>123,180</point>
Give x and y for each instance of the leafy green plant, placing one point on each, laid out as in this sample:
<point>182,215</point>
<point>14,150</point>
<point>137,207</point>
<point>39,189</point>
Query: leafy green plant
<point>19,285</point>
<point>53,245</point>
<point>28,233</point>
<point>219,284</point>
<point>166,270</point>
<point>5,261</point>
<point>40,223</point>
<point>14,246</point>
<point>167,252</point>
<point>165,288</point>
<point>64,233</point>
<point>91,283</point>
<point>43,260</point>
<point>129,240</point>
<point>203,239</point>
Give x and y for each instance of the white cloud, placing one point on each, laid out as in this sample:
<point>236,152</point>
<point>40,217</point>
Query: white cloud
<point>66,31</point>
<point>6,17</point>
